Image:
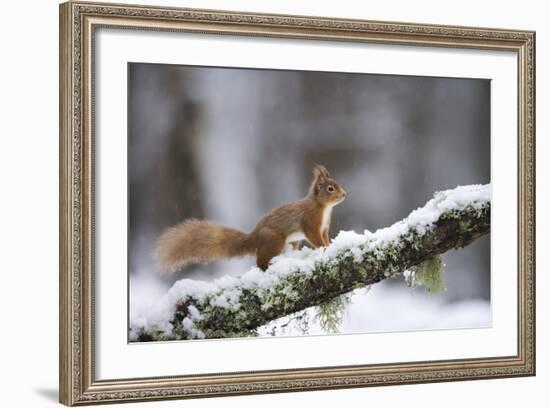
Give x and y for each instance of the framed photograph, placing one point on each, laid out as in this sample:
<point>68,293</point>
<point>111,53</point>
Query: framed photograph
<point>256,203</point>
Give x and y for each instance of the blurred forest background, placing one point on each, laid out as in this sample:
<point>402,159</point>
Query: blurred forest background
<point>230,144</point>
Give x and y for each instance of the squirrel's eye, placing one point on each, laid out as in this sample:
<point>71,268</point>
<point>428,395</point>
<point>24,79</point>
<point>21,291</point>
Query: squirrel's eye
<point>330,189</point>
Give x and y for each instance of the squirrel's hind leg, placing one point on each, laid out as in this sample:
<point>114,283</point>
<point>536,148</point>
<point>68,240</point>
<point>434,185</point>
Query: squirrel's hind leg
<point>270,244</point>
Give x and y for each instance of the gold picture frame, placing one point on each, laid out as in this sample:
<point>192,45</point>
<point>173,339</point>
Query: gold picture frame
<point>78,22</point>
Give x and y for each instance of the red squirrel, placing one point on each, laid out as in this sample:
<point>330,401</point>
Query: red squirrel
<point>202,241</point>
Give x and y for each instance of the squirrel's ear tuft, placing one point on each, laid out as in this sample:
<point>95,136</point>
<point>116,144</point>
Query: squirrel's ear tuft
<point>320,170</point>
<point>320,174</point>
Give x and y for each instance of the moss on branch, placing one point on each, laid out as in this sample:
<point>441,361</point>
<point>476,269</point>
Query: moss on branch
<point>238,311</point>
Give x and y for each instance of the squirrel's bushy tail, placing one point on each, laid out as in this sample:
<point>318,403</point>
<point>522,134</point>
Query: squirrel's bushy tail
<point>199,241</point>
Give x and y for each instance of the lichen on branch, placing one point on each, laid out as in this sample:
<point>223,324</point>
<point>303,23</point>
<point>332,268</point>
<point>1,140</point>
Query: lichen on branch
<point>237,306</point>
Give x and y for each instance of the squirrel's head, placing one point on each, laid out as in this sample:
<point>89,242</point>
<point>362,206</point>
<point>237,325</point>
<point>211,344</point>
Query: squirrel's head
<point>324,189</point>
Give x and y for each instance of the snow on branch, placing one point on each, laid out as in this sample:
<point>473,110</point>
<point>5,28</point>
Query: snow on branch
<point>237,306</point>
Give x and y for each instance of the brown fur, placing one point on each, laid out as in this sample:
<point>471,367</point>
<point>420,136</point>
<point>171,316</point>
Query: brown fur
<point>196,241</point>
<point>199,241</point>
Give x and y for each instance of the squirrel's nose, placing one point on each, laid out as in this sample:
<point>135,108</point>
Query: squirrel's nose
<point>344,193</point>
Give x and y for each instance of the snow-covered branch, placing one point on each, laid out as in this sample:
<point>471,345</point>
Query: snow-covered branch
<point>237,306</point>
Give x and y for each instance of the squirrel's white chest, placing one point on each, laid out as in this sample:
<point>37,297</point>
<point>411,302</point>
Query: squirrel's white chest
<point>298,236</point>
<point>325,220</point>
